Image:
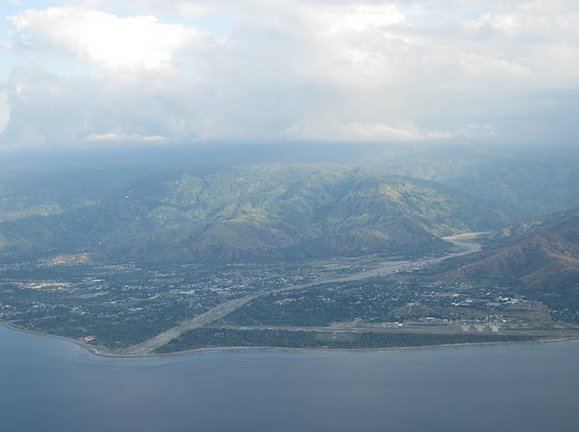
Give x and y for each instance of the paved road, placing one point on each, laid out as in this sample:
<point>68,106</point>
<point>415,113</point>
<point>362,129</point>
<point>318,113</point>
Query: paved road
<point>150,345</point>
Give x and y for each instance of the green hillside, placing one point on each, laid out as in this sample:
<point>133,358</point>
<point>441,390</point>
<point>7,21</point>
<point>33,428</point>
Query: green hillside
<point>231,214</point>
<point>538,258</point>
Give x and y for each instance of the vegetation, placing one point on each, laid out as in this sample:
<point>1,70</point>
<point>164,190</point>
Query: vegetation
<point>223,337</point>
<point>267,212</point>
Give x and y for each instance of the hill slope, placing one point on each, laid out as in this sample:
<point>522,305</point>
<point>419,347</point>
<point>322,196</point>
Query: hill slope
<point>232,214</point>
<point>538,255</point>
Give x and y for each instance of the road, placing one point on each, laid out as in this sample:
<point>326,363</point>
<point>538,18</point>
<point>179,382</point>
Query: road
<point>222,310</point>
<point>218,312</point>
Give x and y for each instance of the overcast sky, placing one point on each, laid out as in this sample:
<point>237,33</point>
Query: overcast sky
<point>103,72</point>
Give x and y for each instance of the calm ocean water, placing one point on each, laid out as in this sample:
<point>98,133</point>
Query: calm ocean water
<point>53,386</point>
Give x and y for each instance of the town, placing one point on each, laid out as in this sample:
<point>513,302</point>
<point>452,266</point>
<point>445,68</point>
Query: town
<point>115,306</point>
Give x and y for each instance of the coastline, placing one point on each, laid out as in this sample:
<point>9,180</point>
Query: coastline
<point>78,343</point>
<point>100,352</point>
<point>147,347</point>
<point>350,350</point>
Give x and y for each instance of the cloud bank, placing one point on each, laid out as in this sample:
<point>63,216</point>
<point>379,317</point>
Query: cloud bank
<point>96,73</point>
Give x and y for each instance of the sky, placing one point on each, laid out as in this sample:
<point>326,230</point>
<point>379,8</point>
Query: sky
<point>101,73</point>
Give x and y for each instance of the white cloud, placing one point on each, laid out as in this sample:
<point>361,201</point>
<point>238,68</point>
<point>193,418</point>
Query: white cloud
<point>4,111</point>
<point>359,17</point>
<point>294,69</point>
<point>123,137</point>
<point>49,110</point>
<point>139,42</point>
<point>362,132</point>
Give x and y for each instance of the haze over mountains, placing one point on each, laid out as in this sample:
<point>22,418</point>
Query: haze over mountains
<point>214,206</point>
<point>523,182</point>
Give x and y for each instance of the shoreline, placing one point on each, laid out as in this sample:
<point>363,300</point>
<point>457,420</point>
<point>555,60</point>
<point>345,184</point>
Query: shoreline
<point>349,350</point>
<point>99,352</point>
<point>147,347</point>
<point>466,247</point>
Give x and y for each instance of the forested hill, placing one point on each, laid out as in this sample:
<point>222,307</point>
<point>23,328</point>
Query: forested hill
<point>229,214</point>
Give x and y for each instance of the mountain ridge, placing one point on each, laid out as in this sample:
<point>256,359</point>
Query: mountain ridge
<point>540,254</point>
<point>243,213</point>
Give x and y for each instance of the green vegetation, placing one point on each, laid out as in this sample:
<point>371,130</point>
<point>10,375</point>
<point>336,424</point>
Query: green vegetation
<point>257,213</point>
<point>223,337</point>
<point>369,301</point>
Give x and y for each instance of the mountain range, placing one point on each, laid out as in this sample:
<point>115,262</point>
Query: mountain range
<point>226,214</point>
<point>521,183</point>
